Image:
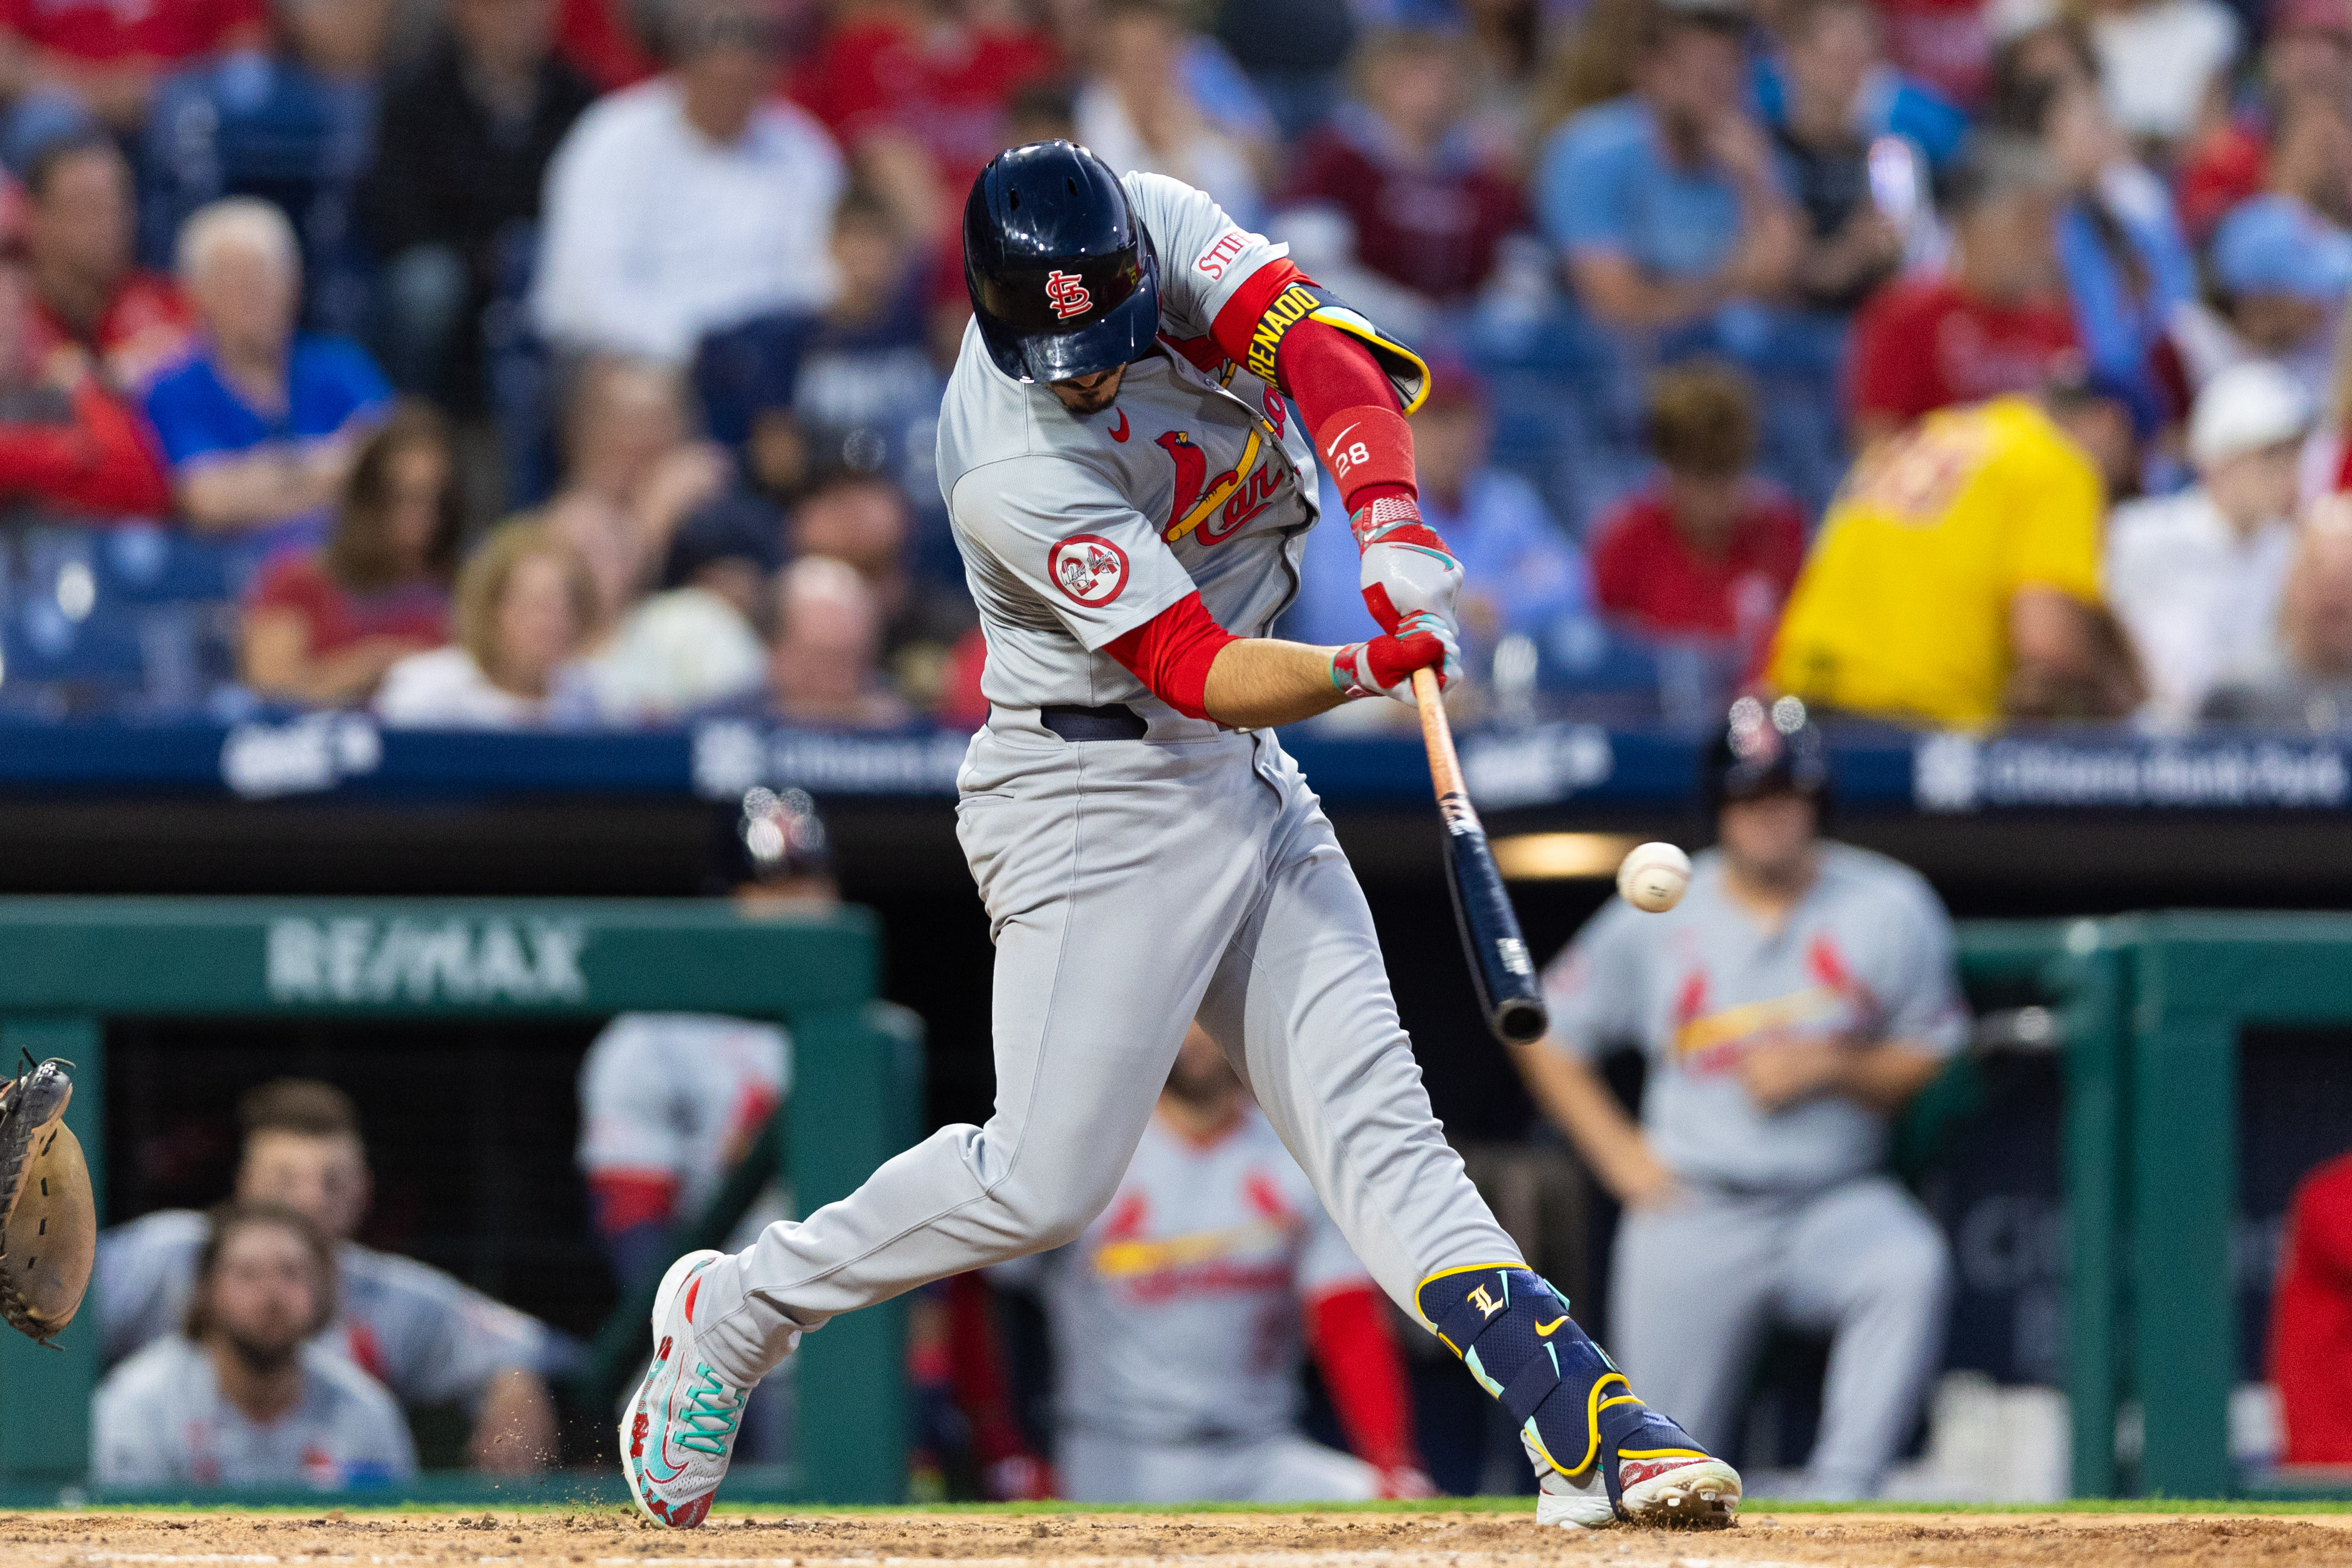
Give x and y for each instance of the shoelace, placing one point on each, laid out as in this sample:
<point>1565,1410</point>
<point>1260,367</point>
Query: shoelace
<point>710,1414</point>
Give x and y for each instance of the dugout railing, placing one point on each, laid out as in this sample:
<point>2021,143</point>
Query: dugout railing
<point>69,965</point>
<point>2147,1011</point>
<point>2152,1009</point>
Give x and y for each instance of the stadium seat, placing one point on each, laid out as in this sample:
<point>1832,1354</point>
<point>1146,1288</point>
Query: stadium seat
<point>146,563</point>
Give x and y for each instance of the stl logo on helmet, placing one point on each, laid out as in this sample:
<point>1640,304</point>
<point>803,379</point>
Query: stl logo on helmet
<point>1088,569</point>
<point>1067,293</point>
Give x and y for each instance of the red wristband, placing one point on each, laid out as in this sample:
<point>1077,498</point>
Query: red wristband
<point>1363,446</point>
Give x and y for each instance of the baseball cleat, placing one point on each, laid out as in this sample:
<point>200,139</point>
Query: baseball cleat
<point>1691,1494</point>
<point>1663,1478</point>
<point>1569,1504</point>
<point>679,1431</point>
<point>1688,1492</point>
<point>1601,1456</point>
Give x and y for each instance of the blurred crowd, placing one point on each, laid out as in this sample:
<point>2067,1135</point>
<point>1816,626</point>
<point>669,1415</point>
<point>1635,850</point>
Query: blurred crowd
<point>565,362</point>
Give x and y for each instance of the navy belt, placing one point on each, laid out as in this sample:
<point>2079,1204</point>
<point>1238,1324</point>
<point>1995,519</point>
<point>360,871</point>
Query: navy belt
<point>1116,722</point>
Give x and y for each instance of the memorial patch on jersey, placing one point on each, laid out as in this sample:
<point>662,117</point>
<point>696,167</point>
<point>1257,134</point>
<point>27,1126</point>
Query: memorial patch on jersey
<point>1088,569</point>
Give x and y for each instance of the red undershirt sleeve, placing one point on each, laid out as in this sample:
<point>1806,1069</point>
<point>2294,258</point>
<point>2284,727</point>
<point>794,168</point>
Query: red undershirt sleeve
<point>1171,654</point>
<point>1364,1373</point>
<point>1342,393</point>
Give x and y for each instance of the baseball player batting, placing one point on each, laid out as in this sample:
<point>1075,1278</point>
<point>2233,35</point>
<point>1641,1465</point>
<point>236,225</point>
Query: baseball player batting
<point>1130,494</point>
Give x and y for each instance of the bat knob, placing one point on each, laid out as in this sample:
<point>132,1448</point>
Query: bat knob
<point>1522,1022</point>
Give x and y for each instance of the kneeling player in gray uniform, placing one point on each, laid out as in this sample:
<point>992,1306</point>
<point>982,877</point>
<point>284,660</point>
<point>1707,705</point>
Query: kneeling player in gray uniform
<point>1799,995</point>
<point>1131,492</point>
<point>247,1394</point>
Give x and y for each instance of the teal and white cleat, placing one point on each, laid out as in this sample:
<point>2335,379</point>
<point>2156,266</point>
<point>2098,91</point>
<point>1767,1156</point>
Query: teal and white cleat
<point>679,1430</point>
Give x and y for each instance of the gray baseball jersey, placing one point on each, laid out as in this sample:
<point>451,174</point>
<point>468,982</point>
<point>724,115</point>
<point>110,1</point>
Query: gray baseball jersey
<point>434,1340</point>
<point>1077,530</point>
<point>1176,1316</point>
<point>1866,955</point>
<point>159,1419</point>
<point>1132,885</point>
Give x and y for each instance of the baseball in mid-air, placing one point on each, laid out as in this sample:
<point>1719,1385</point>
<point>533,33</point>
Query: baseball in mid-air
<point>1653,877</point>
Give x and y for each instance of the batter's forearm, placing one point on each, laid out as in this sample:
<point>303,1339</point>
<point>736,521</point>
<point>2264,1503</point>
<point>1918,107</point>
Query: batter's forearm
<point>1257,683</point>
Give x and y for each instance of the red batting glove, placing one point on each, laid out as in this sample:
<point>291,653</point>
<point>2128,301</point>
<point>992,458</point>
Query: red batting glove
<point>1384,666</point>
<point>1406,566</point>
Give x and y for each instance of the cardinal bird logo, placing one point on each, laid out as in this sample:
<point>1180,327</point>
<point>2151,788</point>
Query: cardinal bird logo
<point>1068,293</point>
<point>1216,507</point>
<point>1192,476</point>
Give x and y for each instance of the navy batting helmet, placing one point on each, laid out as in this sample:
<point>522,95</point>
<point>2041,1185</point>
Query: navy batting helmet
<point>1063,278</point>
<point>1767,751</point>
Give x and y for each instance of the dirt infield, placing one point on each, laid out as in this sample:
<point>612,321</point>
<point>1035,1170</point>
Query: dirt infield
<point>609,1538</point>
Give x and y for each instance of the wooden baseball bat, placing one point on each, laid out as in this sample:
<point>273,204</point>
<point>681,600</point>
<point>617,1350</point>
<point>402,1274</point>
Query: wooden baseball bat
<point>1499,965</point>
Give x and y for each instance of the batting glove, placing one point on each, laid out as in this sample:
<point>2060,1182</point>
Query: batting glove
<point>1384,666</point>
<point>1407,568</point>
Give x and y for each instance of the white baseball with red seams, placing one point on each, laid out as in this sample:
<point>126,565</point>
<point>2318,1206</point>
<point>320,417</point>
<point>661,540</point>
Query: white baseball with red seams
<point>1654,877</point>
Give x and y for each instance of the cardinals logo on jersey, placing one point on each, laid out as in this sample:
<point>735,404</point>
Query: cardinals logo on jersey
<point>1067,293</point>
<point>1216,507</point>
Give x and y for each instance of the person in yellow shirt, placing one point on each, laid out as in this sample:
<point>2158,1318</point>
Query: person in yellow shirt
<point>1956,577</point>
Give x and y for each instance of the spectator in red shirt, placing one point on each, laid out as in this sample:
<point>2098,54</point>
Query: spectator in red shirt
<point>925,72</point>
<point>2311,1319</point>
<point>68,442</point>
<point>91,307</point>
<point>1996,322</point>
<point>1704,552</point>
<point>320,627</point>
<point>104,58</point>
<point>1424,205</point>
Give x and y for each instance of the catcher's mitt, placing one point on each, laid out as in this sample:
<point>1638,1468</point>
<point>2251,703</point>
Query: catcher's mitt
<point>48,1221</point>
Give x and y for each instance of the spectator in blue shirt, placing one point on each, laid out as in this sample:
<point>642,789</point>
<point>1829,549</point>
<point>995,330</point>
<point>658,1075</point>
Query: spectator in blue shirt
<point>2282,260</point>
<point>1521,570</point>
<point>1666,203</point>
<point>260,425</point>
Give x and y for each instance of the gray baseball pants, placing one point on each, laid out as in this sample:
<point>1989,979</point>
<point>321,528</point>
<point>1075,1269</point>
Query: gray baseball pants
<point>1130,886</point>
<point>1694,1286</point>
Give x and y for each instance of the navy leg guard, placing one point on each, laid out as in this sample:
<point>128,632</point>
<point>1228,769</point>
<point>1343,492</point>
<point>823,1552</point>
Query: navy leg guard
<point>1512,1329</point>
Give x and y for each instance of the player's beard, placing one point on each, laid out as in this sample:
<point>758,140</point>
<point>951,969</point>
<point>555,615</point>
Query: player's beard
<point>261,1358</point>
<point>1203,1089</point>
<point>1086,402</point>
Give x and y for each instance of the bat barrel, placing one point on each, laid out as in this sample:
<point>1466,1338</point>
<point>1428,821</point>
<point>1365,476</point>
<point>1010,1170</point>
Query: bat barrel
<point>1500,966</point>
